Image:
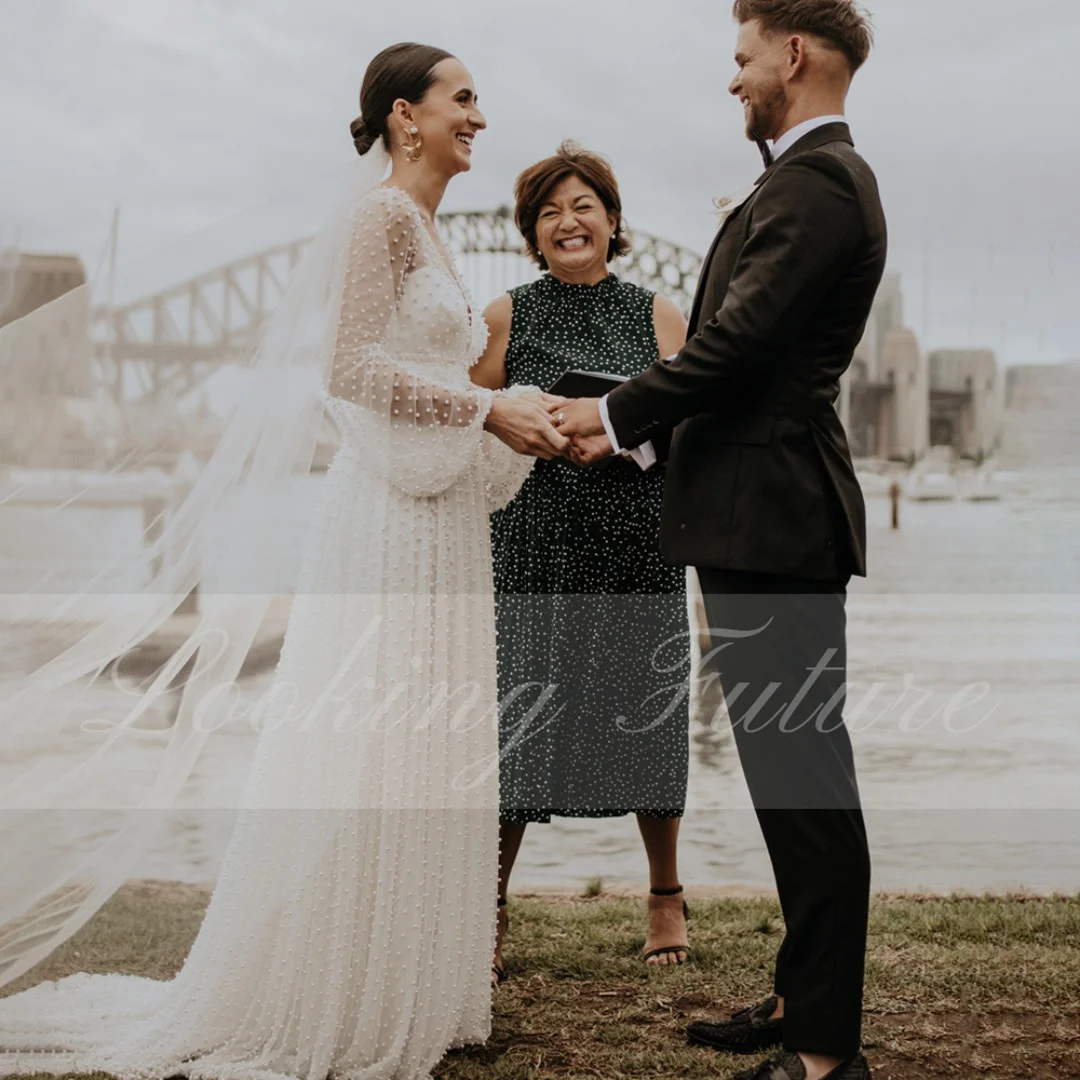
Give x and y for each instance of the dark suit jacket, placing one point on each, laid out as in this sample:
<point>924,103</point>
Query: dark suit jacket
<point>759,476</point>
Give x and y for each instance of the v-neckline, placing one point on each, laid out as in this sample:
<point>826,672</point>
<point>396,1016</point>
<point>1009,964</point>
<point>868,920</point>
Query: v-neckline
<point>446,264</point>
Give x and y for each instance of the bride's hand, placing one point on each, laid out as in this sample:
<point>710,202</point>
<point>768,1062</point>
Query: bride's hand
<point>524,424</point>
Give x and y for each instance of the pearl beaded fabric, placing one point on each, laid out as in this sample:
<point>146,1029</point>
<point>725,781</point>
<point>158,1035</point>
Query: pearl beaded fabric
<point>586,606</point>
<point>351,929</point>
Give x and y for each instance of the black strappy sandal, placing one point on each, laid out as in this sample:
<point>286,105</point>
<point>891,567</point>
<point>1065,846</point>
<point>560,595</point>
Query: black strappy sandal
<point>669,950</point>
<point>496,970</point>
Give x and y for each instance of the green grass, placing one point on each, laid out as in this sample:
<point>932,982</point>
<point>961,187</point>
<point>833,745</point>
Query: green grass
<point>956,987</point>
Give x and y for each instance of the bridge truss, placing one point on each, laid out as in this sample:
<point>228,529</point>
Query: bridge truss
<point>164,346</point>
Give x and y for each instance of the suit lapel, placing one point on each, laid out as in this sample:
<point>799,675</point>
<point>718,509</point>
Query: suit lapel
<point>821,136</point>
<point>730,205</point>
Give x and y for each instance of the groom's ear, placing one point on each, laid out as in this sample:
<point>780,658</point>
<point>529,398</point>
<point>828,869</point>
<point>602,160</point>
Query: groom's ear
<point>796,54</point>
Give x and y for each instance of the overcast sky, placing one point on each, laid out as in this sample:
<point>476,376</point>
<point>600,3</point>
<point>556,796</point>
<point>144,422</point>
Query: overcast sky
<point>185,112</point>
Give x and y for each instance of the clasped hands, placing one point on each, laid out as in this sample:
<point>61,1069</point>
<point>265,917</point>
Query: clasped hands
<point>547,426</point>
<point>578,420</point>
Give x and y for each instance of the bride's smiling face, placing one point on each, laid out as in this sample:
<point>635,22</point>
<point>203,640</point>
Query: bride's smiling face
<point>447,119</point>
<point>574,230</point>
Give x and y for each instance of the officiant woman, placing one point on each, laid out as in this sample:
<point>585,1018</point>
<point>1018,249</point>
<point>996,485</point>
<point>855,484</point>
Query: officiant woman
<point>592,626</point>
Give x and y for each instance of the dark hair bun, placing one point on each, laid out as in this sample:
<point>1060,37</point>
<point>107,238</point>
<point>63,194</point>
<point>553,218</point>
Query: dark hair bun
<point>401,71</point>
<point>363,138</point>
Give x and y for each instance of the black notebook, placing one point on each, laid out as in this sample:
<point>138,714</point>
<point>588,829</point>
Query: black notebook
<point>585,384</point>
<point>595,384</point>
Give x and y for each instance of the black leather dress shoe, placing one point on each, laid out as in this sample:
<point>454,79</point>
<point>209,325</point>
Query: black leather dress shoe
<point>788,1066</point>
<point>749,1031</point>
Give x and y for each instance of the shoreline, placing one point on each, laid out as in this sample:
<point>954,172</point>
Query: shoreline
<point>571,894</point>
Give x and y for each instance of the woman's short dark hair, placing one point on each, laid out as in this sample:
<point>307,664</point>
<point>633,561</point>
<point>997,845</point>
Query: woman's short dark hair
<point>401,71</point>
<point>534,186</point>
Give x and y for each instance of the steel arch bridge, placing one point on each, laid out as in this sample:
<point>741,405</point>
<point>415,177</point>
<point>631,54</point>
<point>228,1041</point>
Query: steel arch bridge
<point>165,345</point>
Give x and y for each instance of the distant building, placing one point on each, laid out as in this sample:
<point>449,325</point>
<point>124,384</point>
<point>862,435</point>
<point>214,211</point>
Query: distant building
<point>28,282</point>
<point>884,400</point>
<point>46,377</point>
<point>50,354</point>
<point>897,402</point>
<point>967,401</point>
<point>1042,417</point>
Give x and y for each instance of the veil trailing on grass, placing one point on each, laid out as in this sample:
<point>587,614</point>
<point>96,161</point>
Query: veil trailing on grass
<point>150,520</point>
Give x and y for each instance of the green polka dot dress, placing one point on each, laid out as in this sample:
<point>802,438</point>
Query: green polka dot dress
<point>593,646</point>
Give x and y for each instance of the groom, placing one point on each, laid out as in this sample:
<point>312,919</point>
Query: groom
<point>762,499</point>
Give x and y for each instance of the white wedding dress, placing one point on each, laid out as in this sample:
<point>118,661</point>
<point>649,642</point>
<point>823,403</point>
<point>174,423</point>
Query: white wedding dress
<point>350,933</point>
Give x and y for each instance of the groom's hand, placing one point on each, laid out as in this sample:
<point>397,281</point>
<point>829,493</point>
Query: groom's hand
<point>587,450</point>
<point>580,417</point>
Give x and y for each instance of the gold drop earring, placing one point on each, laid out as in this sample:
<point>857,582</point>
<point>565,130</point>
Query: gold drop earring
<point>412,145</point>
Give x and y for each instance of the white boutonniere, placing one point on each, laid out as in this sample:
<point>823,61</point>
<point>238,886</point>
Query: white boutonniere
<point>728,204</point>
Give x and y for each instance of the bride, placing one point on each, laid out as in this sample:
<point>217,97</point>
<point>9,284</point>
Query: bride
<point>351,929</point>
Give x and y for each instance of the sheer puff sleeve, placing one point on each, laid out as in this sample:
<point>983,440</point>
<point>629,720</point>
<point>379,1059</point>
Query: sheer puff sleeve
<point>388,391</point>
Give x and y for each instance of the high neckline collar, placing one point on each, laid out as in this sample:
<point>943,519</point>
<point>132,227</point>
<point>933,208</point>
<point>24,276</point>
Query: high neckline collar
<point>606,282</point>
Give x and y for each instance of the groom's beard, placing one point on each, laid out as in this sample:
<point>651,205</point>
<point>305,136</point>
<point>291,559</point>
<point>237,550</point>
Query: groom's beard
<point>763,117</point>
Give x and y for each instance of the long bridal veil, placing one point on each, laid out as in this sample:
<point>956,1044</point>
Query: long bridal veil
<point>115,679</point>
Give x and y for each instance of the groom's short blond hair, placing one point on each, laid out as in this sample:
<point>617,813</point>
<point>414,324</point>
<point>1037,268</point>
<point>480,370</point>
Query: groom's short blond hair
<point>841,24</point>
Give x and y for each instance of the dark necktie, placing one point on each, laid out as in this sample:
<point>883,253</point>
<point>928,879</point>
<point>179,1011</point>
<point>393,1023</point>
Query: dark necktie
<point>766,152</point>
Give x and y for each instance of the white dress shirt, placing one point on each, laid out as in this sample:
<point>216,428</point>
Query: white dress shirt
<point>644,455</point>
